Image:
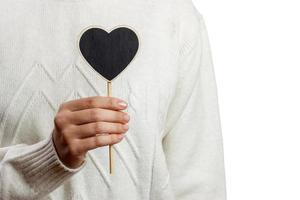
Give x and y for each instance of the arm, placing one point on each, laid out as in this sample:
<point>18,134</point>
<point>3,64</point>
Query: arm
<point>31,171</point>
<point>192,139</point>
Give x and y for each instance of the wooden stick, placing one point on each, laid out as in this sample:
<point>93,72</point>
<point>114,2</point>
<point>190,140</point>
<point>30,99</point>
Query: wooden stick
<point>109,91</point>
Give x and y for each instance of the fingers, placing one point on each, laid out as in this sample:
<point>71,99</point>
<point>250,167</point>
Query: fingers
<point>90,143</point>
<point>92,129</point>
<point>111,103</point>
<point>98,114</point>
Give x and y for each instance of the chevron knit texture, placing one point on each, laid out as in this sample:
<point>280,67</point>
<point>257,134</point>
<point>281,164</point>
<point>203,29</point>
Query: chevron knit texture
<point>173,149</point>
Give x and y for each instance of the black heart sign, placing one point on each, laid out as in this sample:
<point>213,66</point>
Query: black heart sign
<point>109,53</point>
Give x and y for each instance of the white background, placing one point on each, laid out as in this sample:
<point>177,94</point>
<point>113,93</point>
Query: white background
<point>256,52</point>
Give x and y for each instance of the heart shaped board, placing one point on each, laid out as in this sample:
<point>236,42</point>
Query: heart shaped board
<point>108,53</point>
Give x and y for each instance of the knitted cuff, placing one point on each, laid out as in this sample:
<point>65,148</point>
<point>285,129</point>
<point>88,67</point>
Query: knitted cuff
<point>42,169</point>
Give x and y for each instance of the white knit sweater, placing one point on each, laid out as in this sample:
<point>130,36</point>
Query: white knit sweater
<point>173,149</point>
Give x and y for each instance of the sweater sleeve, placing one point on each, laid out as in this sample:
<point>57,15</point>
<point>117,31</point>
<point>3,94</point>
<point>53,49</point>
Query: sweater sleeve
<point>31,171</point>
<point>192,140</point>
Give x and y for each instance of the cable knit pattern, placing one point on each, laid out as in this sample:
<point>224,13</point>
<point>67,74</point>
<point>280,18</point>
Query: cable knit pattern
<point>173,148</point>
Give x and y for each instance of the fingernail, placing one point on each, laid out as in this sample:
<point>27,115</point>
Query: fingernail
<point>126,117</point>
<point>125,126</point>
<point>120,136</point>
<point>122,104</point>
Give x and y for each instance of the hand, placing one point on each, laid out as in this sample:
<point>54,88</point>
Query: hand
<point>78,124</point>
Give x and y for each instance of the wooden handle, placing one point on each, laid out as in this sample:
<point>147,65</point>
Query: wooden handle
<point>109,90</point>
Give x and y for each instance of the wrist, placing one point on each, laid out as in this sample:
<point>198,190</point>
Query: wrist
<point>64,156</point>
